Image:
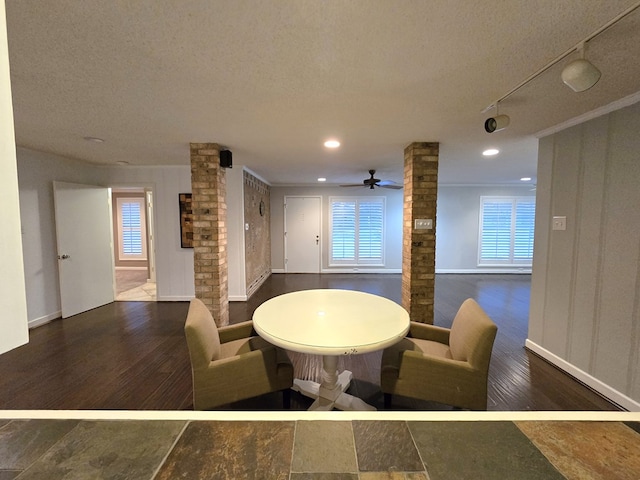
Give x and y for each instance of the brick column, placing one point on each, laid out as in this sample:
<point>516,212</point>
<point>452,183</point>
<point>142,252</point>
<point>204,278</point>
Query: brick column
<point>419,246</point>
<point>208,188</point>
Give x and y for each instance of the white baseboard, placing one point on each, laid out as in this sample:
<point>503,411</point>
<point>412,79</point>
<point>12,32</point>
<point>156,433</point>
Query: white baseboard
<point>361,270</point>
<point>517,271</point>
<point>176,298</point>
<point>589,380</point>
<point>36,322</point>
<point>237,298</point>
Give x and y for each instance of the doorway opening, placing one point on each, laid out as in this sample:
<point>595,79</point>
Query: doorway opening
<point>133,244</point>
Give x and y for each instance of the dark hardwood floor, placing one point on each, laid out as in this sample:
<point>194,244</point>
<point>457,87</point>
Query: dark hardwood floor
<point>133,355</point>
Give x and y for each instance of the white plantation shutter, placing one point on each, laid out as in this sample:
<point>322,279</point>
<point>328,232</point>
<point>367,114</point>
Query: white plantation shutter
<point>506,230</point>
<point>357,231</point>
<point>131,229</point>
<point>132,243</point>
<point>370,231</point>
<point>523,235</point>
<point>343,230</point>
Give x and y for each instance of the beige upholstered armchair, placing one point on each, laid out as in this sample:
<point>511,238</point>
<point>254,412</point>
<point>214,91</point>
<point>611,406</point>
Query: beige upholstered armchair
<point>231,363</point>
<point>448,366</point>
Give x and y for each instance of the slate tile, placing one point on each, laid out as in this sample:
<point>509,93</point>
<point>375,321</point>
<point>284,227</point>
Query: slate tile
<point>231,450</point>
<point>393,476</point>
<point>9,474</point>
<point>324,446</point>
<point>588,449</point>
<point>479,450</point>
<point>324,476</point>
<point>4,421</point>
<point>385,446</point>
<point>22,442</point>
<point>110,450</point>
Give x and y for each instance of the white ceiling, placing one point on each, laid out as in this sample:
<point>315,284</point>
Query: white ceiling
<point>271,80</point>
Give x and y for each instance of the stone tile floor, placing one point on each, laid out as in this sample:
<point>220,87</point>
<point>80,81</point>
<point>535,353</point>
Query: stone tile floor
<point>317,449</point>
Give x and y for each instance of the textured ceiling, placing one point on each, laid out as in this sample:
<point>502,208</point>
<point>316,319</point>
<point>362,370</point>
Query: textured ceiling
<point>271,80</point>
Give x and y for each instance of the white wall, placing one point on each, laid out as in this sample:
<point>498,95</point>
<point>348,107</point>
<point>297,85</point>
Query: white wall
<point>36,173</point>
<point>13,303</point>
<point>393,234</point>
<point>457,225</point>
<point>585,291</point>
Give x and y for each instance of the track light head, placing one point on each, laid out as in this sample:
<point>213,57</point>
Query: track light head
<point>580,75</point>
<point>497,123</point>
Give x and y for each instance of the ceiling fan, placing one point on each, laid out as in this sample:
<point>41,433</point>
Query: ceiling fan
<point>374,182</point>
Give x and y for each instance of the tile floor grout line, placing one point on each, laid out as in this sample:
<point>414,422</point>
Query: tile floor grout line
<point>413,440</point>
<point>293,447</point>
<point>173,445</point>
<point>355,449</point>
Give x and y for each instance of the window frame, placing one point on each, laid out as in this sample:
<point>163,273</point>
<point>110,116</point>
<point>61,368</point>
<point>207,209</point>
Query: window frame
<point>512,260</point>
<point>122,256</point>
<point>358,259</point>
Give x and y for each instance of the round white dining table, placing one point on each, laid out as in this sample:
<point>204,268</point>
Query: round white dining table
<point>331,323</point>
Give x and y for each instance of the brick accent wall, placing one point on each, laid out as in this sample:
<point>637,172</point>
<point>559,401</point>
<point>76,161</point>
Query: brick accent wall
<point>208,187</point>
<point>419,246</point>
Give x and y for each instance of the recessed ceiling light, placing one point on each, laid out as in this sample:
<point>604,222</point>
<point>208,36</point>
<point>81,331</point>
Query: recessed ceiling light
<point>332,144</point>
<point>525,179</point>
<point>122,162</point>
<point>490,152</point>
<point>322,179</point>
<point>94,139</point>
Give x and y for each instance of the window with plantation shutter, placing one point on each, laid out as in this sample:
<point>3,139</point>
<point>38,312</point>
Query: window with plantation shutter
<point>132,235</point>
<point>506,230</point>
<point>357,231</point>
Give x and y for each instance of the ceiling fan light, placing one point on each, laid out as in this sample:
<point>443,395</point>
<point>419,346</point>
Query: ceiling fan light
<point>580,75</point>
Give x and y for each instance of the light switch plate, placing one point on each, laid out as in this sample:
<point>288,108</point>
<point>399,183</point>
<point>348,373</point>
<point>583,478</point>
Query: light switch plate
<point>559,223</point>
<point>423,224</point>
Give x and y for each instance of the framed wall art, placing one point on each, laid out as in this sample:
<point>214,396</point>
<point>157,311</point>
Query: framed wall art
<point>186,220</point>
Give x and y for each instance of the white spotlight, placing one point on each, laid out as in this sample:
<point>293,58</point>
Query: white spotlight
<point>580,75</point>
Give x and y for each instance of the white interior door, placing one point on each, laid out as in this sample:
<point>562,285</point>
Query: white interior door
<point>302,234</point>
<point>85,250</point>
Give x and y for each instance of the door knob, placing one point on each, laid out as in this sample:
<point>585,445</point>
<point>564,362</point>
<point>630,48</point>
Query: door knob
<point>63,257</point>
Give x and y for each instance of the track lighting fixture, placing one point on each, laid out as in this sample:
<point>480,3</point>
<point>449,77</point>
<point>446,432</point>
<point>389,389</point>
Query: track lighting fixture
<point>497,123</point>
<point>580,74</point>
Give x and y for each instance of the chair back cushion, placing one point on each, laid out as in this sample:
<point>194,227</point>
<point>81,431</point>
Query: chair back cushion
<point>472,335</point>
<point>202,335</point>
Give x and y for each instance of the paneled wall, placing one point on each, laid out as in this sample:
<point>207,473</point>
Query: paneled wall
<point>585,293</point>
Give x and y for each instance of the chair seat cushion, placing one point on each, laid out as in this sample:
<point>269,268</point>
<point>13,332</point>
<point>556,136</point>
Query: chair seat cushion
<point>242,345</point>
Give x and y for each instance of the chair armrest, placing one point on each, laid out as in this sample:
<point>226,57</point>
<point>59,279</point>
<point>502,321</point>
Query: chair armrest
<point>445,368</point>
<point>426,331</point>
<point>238,367</point>
<point>237,331</point>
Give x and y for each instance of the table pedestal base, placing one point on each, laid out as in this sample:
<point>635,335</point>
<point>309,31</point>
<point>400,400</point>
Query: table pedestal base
<point>330,393</point>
